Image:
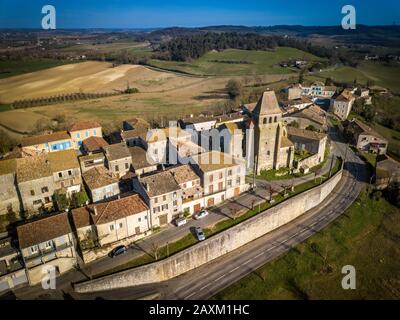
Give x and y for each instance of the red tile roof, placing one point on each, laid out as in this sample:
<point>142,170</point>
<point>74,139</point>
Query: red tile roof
<point>84,125</point>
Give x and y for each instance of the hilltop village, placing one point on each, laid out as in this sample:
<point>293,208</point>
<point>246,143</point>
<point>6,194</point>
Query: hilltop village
<point>73,197</point>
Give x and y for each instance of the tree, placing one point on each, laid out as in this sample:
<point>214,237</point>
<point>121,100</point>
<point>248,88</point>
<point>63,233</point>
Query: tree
<point>61,200</point>
<point>234,88</point>
<point>328,81</point>
<point>6,142</point>
<point>79,199</point>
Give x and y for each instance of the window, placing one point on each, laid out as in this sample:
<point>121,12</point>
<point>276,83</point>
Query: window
<point>145,217</point>
<point>175,194</point>
<point>238,180</point>
<point>32,192</point>
<point>155,200</point>
<point>184,186</point>
<point>116,168</point>
<point>270,120</point>
<point>211,178</point>
<point>60,174</point>
<point>45,189</point>
<point>221,175</point>
<point>265,121</point>
<point>94,132</point>
<point>229,183</point>
<point>47,199</point>
<point>69,172</point>
<point>276,119</point>
<point>87,133</point>
<point>175,203</point>
<point>37,202</point>
<point>268,153</point>
<point>155,151</point>
<point>126,166</point>
<point>139,219</point>
<point>111,227</point>
<point>48,244</point>
<point>78,135</point>
<point>121,225</point>
<point>62,184</point>
<point>33,249</point>
<point>211,189</point>
<point>164,198</point>
<point>229,172</point>
<point>220,186</point>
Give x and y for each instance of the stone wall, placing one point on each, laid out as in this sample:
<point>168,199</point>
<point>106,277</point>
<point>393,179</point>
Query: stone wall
<point>217,245</point>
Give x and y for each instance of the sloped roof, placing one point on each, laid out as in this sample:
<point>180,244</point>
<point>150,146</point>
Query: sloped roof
<point>32,168</point>
<point>183,173</point>
<point>84,125</point>
<point>108,211</point>
<point>159,183</point>
<point>116,151</point>
<point>63,160</point>
<point>139,158</point>
<point>44,138</point>
<point>94,143</point>
<point>8,166</point>
<point>267,104</point>
<point>214,160</point>
<point>365,129</point>
<point>308,134</point>
<point>45,229</point>
<point>98,177</point>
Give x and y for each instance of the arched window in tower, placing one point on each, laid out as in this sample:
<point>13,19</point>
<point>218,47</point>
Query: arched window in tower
<point>270,120</point>
<point>268,153</point>
<point>265,121</point>
<point>276,119</point>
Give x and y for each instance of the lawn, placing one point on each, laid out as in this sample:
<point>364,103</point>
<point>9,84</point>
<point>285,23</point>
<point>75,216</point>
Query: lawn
<point>238,62</point>
<point>366,236</point>
<point>14,68</point>
<point>379,73</point>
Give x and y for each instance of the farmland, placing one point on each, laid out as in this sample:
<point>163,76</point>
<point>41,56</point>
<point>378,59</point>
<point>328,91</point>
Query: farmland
<point>379,73</point>
<point>238,62</point>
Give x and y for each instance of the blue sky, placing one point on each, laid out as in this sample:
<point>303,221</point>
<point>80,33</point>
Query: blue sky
<point>193,13</point>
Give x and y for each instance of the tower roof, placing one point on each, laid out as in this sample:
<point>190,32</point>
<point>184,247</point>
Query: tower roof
<point>267,104</point>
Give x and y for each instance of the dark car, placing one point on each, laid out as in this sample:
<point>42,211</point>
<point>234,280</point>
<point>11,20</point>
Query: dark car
<point>118,251</point>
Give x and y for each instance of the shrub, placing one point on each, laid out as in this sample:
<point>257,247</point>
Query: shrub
<point>79,199</point>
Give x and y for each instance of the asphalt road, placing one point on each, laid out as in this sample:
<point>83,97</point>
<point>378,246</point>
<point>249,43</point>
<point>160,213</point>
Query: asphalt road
<point>206,281</point>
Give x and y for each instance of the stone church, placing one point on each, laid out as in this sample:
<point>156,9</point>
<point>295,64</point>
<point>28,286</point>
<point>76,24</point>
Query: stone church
<point>272,148</point>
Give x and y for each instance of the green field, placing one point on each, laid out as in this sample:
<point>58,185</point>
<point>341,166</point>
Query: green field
<point>15,68</point>
<point>245,62</point>
<point>378,73</point>
<point>366,236</point>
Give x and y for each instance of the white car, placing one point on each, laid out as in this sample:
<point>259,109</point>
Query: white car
<point>202,214</point>
<point>181,221</point>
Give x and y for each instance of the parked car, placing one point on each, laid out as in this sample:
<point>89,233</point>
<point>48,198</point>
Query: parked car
<point>181,221</point>
<point>118,251</point>
<point>200,234</point>
<point>200,215</point>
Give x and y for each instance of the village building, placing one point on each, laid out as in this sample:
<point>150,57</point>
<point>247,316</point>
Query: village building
<point>111,222</point>
<point>82,130</point>
<point>231,139</point>
<point>35,183</point>
<point>9,199</point>
<point>140,163</point>
<point>100,184</point>
<point>94,145</point>
<point>162,194</point>
<point>311,117</point>
<point>45,143</point>
<point>387,172</point>
<point>91,161</point>
<point>118,159</point>
<point>47,243</point>
<point>364,137</point>
<point>190,184</point>
<point>12,270</point>
<point>222,176</point>
<point>66,172</point>
<point>134,132</point>
<point>312,143</point>
<point>342,103</point>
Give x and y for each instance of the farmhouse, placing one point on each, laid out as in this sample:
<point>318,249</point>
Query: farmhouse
<point>118,159</point>
<point>342,103</point>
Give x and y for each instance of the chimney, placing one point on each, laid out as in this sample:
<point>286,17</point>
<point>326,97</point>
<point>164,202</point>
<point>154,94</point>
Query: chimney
<point>95,210</point>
